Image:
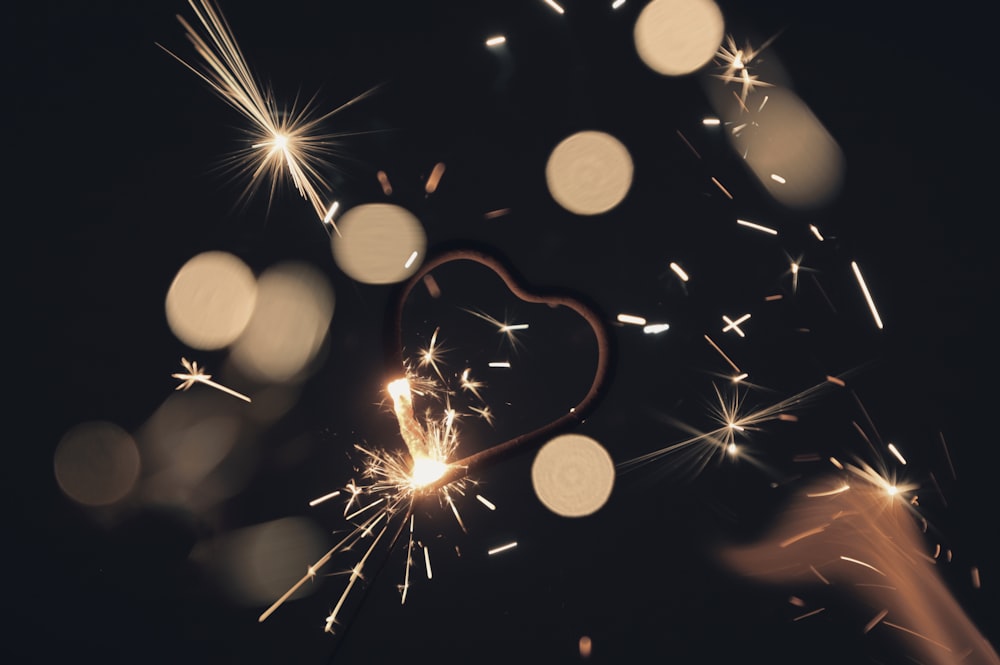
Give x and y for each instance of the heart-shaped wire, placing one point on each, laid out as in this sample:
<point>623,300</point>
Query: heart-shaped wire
<point>576,415</point>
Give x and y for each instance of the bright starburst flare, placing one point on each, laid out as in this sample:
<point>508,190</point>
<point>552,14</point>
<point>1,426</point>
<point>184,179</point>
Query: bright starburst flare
<point>285,142</point>
<point>734,422</point>
<point>508,330</point>
<point>197,374</point>
<point>735,64</point>
<point>392,482</point>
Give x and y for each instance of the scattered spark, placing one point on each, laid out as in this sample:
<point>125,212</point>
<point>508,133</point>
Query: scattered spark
<point>836,381</point>
<point>493,214</point>
<point>795,600</point>
<point>805,457</point>
<point>430,356</point>
<point>496,41</point>
<point>757,227</point>
<point>842,488</point>
<point>735,63</point>
<point>809,614</point>
<point>862,563</point>
<point>434,179</point>
<point>656,328</point>
<point>897,454</point>
<point>937,550</point>
<point>631,319</point>
<point>554,5</point>
<point>721,353</point>
<point>413,257</point>
<point>585,644</point>
<point>383,179</point>
<point>427,563</point>
<point>724,190</point>
<point>818,574</point>
<point>483,413</point>
<point>815,232</point>
<point>328,217</point>
<point>679,272</point>
<point>875,620</point>
<point>735,325</point>
<point>509,330</point>
<point>691,148</point>
<point>615,5</point>
<point>711,122</point>
<point>868,295</point>
<point>502,548</point>
<point>470,384</point>
<point>916,634</point>
<point>316,502</point>
<point>486,502</point>
<point>773,297</point>
<point>777,178</point>
<point>739,377</point>
<point>197,374</point>
<point>500,364</point>
<point>947,456</point>
<point>976,582</point>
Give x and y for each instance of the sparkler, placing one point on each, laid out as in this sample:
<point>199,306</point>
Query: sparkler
<point>285,142</point>
<point>429,467</point>
<point>735,63</point>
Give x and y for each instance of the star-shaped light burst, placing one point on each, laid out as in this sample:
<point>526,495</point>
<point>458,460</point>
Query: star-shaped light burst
<point>735,63</point>
<point>197,374</point>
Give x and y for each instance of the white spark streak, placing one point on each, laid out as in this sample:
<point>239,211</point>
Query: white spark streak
<point>711,122</point>
<point>656,328</point>
<point>898,455</point>
<point>862,563</point>
<point>631,319</point>
<point>757,227</point>
<point>500,364</point>
<point>777,178</point>
<point>316,502</point>
<point>868,295</point>
<point>413,257</point>
<point>815,232</point>
<point>486,502</point>
<point>679,272</point>
<point>427,562</point>
<point>502,548</point>
<point>496,41</point>
<point>555,6</point>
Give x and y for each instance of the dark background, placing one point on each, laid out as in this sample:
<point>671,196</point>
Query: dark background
<point>130,191</point>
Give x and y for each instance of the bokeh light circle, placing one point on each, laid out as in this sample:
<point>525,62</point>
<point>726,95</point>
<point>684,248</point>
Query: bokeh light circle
<point>289,323</point>
<point>96,463</point>
<point>210,300</point>
<point>573,475</point>
<point>677,37</point>
<point>589,173</point>
<point>379,243</point>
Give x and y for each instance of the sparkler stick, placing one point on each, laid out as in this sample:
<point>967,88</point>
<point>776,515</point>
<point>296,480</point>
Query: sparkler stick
<point>462,468</point>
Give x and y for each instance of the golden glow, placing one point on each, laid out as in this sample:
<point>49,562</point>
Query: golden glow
<point>426,471</point>
<point>589,173</point>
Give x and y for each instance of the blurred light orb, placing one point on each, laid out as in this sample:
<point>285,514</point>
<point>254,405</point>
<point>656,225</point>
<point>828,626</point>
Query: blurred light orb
<point>677,37</point>
<point>573,475</point>
<point>791,142</point>
<point>97,463</point>
<point>589,173</point>
<point>211,300</point>
<point>289,323</point>
<point>259,563</point>
<point>379,243</point>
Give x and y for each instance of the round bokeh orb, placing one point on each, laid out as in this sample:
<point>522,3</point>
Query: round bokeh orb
<point>96,463</point>
<point>379,243</point>
<point>589,173</point>
<point>573,475</point>
<point>678,37</point>
<point>210,300</point>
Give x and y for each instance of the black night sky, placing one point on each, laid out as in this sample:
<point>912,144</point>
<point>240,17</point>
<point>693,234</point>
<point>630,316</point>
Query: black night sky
<point>134,185</point>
